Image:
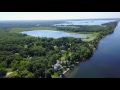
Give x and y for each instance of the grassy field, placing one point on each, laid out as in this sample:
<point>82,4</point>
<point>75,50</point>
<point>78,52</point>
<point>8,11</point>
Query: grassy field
<point>69,26</point>
<point>18,30</point>
<point>9,69</point>
<point>55,75</point>
<point>90,37</point>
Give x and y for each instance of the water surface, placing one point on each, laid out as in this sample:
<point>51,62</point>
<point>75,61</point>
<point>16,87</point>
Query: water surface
<point>105,62</point>
<point>85,22</point>
<point>53,34</point>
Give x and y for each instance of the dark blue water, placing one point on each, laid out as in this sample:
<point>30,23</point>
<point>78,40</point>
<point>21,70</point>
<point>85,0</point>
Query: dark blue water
<point>105,62</point>
<point>53,34</point>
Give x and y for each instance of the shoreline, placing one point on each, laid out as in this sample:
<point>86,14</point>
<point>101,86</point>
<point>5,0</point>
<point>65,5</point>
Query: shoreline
<point>68,71</point>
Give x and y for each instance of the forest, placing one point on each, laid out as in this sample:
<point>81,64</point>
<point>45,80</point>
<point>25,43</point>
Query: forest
<point>35,57</point>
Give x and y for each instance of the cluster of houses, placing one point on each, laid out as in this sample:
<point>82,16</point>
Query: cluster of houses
<point>58,66</point>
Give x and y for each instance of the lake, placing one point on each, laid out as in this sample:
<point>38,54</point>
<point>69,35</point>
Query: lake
<point>105,62</point>
<point>85,22</point>
<point>53,34</point>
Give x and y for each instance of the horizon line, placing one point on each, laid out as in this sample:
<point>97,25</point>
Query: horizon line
<point>57,19</point>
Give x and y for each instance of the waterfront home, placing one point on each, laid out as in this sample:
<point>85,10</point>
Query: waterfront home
<point>62,51</point>
<point>57,67</point>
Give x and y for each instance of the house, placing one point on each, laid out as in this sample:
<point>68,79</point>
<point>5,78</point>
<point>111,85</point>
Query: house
<point>57,66</point>
<point>62,51</point>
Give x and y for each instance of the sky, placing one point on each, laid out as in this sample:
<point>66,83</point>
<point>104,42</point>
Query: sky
<point>56,15</point>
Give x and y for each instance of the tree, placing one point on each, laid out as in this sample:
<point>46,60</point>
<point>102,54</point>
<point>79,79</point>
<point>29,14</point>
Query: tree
<point>2,72</point>
<point>51,70</point>
<point>3,65</point>
<point>14,65</point>
<point>30,75</point>
<point>47,74</point>
<point>39,73</point>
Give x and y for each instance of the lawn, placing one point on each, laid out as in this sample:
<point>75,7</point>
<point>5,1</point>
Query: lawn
<point>55,75</point>
<point>90,36</point>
